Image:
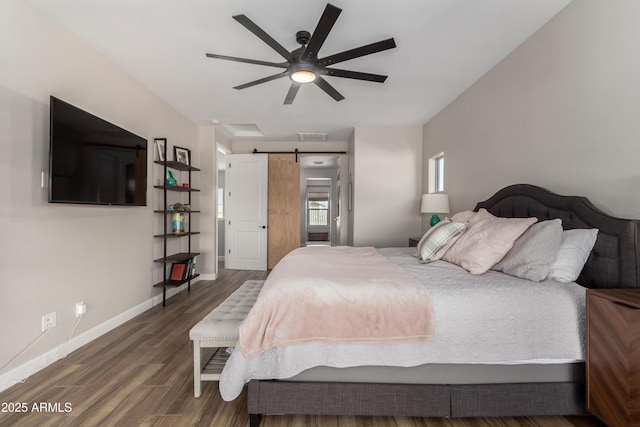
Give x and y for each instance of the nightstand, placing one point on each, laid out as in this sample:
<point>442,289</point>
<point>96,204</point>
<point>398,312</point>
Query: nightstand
<point>613,356</point>
<point>413,241</point>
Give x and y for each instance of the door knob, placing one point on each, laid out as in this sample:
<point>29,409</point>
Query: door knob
<point>262,226</point>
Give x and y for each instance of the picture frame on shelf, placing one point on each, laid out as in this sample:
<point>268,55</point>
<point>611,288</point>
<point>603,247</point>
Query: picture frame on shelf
<point>182,155</point>
<point>177,271</point>
<point>161,146</point>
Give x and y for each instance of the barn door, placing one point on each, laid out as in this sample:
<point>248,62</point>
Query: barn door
<point>284,206</point>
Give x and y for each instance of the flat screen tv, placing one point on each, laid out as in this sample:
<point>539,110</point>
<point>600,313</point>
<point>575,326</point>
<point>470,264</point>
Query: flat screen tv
<point>93,161</point>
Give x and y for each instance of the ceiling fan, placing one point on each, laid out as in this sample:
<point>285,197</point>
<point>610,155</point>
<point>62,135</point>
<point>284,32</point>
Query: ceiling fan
<point>302,65</point>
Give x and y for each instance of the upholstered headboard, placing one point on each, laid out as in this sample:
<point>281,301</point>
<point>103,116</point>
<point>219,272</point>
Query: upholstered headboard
<point>615,259</point>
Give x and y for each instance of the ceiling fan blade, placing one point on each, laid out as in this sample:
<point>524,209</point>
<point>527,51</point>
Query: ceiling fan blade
<point>293,91</point>
<point>330,90</point>
<point>262,80</point>
<point>262,35</point>
<point>358,52</point>
<point>328,18</point>
<point>334,72</point>
<point>249,61</point>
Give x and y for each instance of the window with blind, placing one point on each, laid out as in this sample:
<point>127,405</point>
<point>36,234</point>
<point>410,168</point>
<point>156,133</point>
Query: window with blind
<point>318,209</point>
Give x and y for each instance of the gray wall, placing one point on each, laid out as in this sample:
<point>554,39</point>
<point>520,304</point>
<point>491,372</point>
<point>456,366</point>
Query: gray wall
<point>562,111</point>
<point>387,185</point>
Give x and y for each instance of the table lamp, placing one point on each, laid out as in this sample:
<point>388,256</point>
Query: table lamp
<point>434,203</point>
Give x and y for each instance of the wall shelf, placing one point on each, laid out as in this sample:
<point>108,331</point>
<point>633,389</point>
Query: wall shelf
<point>169,259</point>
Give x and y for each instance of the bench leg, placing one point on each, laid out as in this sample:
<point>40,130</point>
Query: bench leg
<point>254,420</point>
<point>197,368</point>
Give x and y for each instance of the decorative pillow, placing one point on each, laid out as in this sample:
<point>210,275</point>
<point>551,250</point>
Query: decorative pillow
<point>464,216</point>
<point>533,252</point>
<point>574,251</point>
<point>486,241</point>
<point>438,239</point>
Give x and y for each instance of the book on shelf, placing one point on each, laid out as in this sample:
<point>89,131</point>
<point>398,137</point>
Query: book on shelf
<point>177,271</point>
<point>187,270</point>
<point>182,270</point>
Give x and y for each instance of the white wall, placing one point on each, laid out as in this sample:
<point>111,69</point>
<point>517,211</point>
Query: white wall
<point>53,256</point>
<point>205,221</point>
<point>387,177</point>
<point>562,112</point>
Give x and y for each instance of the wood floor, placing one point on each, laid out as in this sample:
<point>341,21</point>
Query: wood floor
<point>140,374</point>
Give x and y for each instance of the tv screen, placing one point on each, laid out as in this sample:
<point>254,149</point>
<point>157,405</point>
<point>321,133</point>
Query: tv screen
<point>93,161</point>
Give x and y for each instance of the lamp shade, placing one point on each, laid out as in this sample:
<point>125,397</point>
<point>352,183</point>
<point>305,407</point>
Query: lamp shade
<point>434,203</point>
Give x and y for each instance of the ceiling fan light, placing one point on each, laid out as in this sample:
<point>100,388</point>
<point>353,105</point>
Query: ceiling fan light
<point>303,76</point>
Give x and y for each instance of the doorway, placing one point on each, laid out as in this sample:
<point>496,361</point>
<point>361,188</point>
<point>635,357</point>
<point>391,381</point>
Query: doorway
<point>329,206</point>
<point>220,214</point>
<point>320,203</point>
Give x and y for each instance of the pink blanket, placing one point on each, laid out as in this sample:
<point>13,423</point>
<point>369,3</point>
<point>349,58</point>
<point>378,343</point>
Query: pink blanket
<point>338,295</point>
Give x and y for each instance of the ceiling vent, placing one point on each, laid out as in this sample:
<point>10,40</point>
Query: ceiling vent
<point>239,129</point>
<point>312,137</point>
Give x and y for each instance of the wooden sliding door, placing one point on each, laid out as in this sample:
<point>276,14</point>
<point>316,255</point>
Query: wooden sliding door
<point>283,207</point>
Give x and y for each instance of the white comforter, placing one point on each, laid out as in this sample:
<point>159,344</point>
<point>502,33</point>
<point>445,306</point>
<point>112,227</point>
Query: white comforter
<point>491,318</point>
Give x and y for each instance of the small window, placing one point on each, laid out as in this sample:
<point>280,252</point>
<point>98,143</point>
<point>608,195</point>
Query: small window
<point>318,209</point>
<point>436,174</point>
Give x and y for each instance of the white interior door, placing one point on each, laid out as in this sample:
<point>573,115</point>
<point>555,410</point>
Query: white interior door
<point>246,203</point>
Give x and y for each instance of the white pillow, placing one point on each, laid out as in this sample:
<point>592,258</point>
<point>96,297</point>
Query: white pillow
<point>574,251</point>
<point>438,239</point>
<point>486,241</point>
<point>533,252</point>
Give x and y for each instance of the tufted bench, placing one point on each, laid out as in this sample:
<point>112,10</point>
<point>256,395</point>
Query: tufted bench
<point>219,330</point>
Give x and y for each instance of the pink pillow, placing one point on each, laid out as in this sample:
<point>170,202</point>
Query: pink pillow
<point>486,241</point>
<point>464,216</point>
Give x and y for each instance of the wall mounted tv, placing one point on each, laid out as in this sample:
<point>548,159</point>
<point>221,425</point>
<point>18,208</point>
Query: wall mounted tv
<point>93,161</point>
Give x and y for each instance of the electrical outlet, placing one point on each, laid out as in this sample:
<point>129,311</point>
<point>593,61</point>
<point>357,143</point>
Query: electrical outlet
<point>81,308</point>
<point>48,321</point>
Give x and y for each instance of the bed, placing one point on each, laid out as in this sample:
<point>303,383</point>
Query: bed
<point>550,384</point>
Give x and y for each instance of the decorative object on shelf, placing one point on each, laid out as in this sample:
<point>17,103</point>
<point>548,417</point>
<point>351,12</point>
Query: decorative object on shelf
<point>182,155</point>
<point>185,185</point>
<point>187,208</point>
<point>178,207</point>
<point>434,203</point>
<point>171,180</point>
<point>161,146</point>
<point>177,223</point>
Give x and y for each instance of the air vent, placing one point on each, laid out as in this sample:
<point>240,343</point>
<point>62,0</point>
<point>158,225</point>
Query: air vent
<point>239,129</point>
<point>312,137</point>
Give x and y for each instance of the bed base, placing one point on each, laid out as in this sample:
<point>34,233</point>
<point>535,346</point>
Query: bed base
<point>413,400</point>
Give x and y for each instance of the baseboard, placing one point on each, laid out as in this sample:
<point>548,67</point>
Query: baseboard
<point>20,373</point>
